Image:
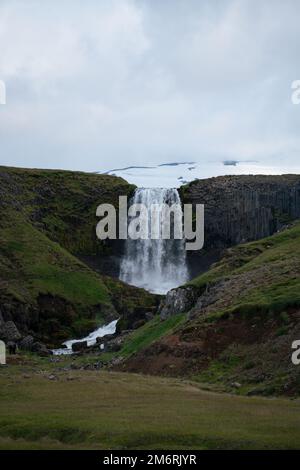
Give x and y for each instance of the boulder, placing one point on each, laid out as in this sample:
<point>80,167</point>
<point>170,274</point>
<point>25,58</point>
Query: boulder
<point>178,300</point>
<point>149,316</point>
<point>104,339</point>
<point>41,349</point>
<point>9,332</point>
<point>116,361</point>
<point>138,324</point>
<point>26,343</point>
<point>236,385</point>
<point>80,346</point>
<point>115,344</point>
<point>12,347</point>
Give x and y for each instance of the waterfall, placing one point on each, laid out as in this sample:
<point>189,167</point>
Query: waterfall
<point>156,265</point>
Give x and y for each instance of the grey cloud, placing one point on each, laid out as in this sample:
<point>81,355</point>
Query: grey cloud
<point>118,83</point>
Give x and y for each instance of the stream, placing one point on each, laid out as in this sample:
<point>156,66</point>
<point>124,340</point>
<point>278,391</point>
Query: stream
<point>91,339</point>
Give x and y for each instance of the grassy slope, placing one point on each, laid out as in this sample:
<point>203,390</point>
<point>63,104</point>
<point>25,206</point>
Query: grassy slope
<point>280,254</point>
<point>32,266</point>
<point>272,268</point>
<point>150,332</point>
<point>105,410</point>
<point>62,204</point>
<point>46,218</point>
<point>259,308</point>
<point>45,267</point>
<point>243,330</point>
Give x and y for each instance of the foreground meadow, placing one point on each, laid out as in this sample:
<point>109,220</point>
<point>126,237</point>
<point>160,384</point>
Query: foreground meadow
<point>44,407</point>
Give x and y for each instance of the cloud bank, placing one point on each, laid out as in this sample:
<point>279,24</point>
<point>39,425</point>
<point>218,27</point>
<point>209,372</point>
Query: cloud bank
<point>109,83</point>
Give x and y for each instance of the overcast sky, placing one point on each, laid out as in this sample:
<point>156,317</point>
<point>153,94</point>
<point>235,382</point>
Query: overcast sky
<point>96,85</point>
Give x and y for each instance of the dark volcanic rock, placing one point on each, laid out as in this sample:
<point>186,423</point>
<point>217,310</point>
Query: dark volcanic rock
<point>149,316</point>
<point>41,349</point>
<point>138,324</point>
<point>9,332</point>
<point>26,343</point>
<point>178,301</point>
<point>12,347</point>
<point>105,339</point>
<point>115,344</point>
<point>80,346</point>
<point>244,208</point>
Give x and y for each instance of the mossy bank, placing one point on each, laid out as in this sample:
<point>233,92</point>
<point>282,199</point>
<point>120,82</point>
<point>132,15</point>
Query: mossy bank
<point>47,223</point>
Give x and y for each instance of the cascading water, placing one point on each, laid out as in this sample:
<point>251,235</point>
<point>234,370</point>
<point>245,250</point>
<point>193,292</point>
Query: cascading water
<point>156,265</point>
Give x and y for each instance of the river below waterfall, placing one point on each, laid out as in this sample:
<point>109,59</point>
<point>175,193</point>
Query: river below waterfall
<point>157,265</point>
<point>91,339</point>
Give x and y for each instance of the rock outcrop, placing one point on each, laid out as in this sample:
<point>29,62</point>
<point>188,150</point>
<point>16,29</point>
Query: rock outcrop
<point>244,208</point>
<point>79,346</point>
<point>41,349</point>
<point>9,332</point>
<point>178,300</point>
<point>26,343</point>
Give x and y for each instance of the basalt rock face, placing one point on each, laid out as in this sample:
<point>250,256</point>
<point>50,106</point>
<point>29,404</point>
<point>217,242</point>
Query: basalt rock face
<point>237,209</point>
<point>244,208</point>
<point>178,300</point>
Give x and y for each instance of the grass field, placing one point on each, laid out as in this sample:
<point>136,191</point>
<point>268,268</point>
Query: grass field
<point>109,410</point>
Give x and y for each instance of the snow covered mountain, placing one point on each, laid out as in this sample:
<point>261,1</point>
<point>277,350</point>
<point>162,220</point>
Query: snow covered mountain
<point>175,174</point>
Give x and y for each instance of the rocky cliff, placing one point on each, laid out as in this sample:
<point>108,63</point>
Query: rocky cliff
<point>240,209</point>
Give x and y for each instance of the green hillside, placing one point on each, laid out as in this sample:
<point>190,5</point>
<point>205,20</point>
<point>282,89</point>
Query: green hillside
<point>238,335</point>
<point>264,275</point>
<point>47,218</point>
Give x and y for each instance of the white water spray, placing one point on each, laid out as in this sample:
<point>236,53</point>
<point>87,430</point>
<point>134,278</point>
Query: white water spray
<point>156,265</point>
<point>91,339</point>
